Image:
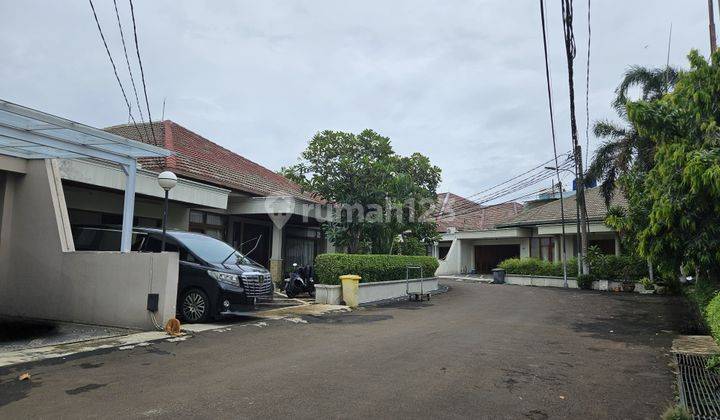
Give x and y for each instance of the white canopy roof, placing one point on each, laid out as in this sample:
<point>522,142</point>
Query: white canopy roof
<point>32,134</point>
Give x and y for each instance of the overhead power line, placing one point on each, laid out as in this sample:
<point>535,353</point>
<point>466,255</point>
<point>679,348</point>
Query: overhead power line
<point>540,166</point>
<point>142,72</point>
<point>112,62</point>
<point>476,210</point>
<point>472,205</point>
<point>127,61</point>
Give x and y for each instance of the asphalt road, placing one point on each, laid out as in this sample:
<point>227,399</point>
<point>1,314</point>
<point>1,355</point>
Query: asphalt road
<point>479,351</point>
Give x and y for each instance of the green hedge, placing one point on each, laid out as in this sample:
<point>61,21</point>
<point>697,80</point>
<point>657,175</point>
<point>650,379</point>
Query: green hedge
<point>538,267</point>
<point>602,267</point>
<point>706,298</point>
<point>372,268</point>
<point>619,268</point>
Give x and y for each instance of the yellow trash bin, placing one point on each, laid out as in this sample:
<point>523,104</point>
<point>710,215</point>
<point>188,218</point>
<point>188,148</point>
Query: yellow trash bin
<point>350,289</point>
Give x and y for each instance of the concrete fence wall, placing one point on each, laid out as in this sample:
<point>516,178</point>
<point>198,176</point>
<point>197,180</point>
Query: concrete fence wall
<point>375,291</point>
<point>551,281</point>
<point>41,275</point>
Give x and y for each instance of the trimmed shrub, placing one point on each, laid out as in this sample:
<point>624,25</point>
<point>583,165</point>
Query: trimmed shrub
<point>617,268</point>
<point>712,316</point>
<point>371,267</point>
<point>585,281</point>
<point>677,412</point>
<point>538,267</point>
<point>603,267</point>
<point>705,300</point>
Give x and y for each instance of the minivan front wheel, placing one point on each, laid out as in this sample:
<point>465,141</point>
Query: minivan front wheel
<point>195,306</point>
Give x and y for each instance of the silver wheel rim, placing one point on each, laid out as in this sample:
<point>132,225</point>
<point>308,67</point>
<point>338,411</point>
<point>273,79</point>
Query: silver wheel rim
<point>194,306</point>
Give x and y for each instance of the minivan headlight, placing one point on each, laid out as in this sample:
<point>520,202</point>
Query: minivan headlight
<point>228,278</point>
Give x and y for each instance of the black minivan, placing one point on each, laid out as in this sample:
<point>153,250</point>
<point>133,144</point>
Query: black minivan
<point>214,278</point>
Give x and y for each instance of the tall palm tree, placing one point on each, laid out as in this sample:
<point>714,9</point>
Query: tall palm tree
<point>624,149</point>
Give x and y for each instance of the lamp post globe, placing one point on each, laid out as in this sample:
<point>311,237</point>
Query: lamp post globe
<point>167,180</point>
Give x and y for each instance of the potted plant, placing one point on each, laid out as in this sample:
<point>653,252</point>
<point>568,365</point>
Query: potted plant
<point>627,284</point>
<point>648,286</point>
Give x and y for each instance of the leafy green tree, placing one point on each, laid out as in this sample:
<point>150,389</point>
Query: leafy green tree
<point>683,186</point>
<point>624,149</point>
<point>377,193</point>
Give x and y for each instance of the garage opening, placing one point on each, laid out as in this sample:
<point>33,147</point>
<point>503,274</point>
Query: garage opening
<point>488,257</point>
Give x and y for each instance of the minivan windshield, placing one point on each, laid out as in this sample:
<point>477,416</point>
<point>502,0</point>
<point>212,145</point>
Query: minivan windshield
<point>211,249</point>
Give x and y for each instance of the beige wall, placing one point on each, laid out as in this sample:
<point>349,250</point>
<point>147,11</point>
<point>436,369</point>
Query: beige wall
<point>44,278</point>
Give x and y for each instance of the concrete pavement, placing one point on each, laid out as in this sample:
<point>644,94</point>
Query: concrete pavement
<point>480,351</point>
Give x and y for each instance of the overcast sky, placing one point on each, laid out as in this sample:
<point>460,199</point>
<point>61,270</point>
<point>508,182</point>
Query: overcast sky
<point>460,81</point>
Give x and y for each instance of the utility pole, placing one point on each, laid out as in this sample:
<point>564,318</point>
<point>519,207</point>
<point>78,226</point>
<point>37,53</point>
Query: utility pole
<point>570,51</point>
<point>711,16</point>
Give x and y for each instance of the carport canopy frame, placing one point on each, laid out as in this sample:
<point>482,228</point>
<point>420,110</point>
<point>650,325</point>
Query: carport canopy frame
<point>30,134</point>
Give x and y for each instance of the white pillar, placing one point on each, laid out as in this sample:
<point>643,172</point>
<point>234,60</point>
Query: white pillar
<point>617,245</point>
<point>276,266</point>
<point>128,207</point>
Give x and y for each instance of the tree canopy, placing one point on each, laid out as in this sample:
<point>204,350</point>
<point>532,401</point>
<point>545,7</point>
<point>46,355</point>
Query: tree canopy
<point>377,193</point>
<point>683,186</point>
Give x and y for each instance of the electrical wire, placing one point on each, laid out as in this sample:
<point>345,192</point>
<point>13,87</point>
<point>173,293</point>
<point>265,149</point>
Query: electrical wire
<point>112,62</point>
<point>142,72</point>
<point>493,193</point>
<point>475,206</point>
<point>542,165</point>
<point>465,214</point>
<point>127,61</point>
<point>587,91</point>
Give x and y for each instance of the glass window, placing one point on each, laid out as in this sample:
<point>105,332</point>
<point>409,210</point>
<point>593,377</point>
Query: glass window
<point>196,217</point>
<point>535,247</point>
<point>214,219</point>
<point>210,249</point>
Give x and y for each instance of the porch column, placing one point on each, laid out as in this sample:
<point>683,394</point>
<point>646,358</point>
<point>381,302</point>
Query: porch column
<point>276,262</point>
<point>617,245</point>
<point>128,206</point>
<point>557,250</point>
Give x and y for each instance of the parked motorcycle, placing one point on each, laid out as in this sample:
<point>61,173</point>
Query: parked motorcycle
<point>300,281</point>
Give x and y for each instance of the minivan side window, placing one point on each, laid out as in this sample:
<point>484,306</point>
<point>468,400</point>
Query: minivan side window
<point>98,239</point>
<point>155,245</point>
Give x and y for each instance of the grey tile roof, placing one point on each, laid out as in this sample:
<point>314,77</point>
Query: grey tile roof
<point>550,212</point>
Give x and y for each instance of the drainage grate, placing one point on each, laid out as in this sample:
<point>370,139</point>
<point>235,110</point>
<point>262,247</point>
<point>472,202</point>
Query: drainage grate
<point>699,389</point>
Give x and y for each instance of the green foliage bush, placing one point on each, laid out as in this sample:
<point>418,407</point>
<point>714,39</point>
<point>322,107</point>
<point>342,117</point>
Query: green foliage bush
<point>410,246</point>
<point>372,268</point>
<point>677,412</point>
<point>584,281</point>
<point>538,267</point>
<point>712,316</point>
<point>603,267</point>
<point>706,298</point>
<point>613,267</point>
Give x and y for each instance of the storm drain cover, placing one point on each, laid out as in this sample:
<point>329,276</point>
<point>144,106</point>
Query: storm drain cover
<point>699,388</point>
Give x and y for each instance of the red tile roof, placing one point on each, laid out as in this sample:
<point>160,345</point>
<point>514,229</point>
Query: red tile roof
<point>466,215</point>
<point>200,159</point>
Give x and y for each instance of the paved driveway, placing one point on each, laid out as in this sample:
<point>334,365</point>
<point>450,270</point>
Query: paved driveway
<point>479,350</point>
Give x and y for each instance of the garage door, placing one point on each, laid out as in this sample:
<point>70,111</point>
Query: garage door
<point>488,257</point>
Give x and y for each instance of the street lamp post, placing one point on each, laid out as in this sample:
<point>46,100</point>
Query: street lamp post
<point>167,181</point>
